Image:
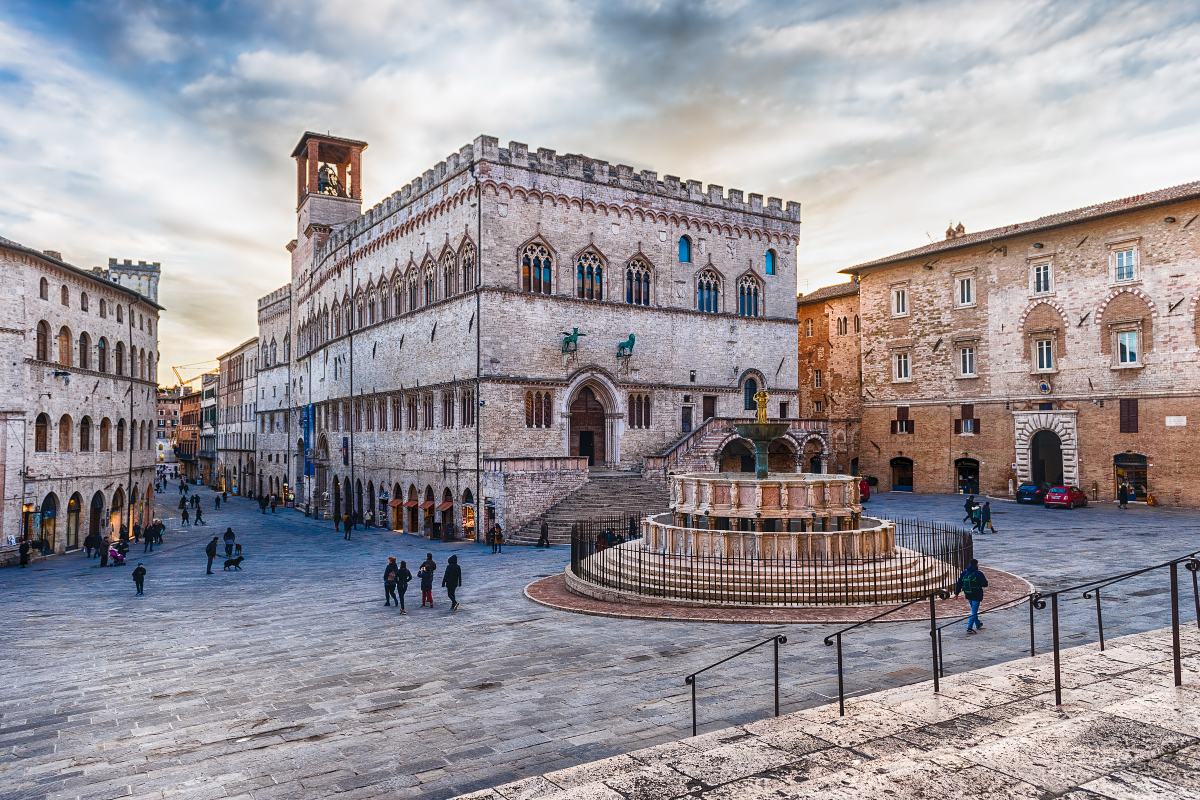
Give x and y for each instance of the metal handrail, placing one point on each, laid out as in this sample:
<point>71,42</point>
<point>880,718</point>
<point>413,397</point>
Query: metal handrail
<point>836,638</point>
<point>1190,564</point>
<point>1007,604</point>
<point>690,680</point>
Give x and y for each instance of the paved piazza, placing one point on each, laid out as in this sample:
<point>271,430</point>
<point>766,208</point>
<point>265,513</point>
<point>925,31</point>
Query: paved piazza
<point>290,679</point>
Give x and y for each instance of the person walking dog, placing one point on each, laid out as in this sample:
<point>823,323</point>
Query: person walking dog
<point>971,584</point>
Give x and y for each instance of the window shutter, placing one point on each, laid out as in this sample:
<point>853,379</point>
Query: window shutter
<point>894,426</point>
<point>902,412</point>
<point>968,411</point>
<point>958,426</point>
<point>977,429</point>
<point>1129,416</point>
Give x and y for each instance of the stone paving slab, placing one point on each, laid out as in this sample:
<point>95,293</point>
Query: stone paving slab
<point>290,679</point>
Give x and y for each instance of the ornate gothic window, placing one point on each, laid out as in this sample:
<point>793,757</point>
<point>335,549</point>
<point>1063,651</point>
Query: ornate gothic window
<point>398,295</point>
<point>362,310</point>
<point>748,297</point>
<point>639,411</point>
<point>371,308</point>
<point>337,319</point>
<point>708,292</point>
<point>347,314</point>
<point>466,260</point>
<point>589,276</point>
<point>385,297</point>
<point>637,283</point>
<point>536,269</point>
<point>537,409</point>
<point>448,275</point>
<point>430,284</point>
<point>412,292</point>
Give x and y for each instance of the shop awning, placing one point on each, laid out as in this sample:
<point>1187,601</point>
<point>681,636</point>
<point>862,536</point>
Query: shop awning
<point>395,503</point>
<point>445,505</point>
<point>426,504</point>
<point>410,503</point>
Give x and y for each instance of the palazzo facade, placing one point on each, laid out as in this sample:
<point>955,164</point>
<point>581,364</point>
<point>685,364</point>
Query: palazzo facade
<point>486,335</point>
<point>78,403</point>
<point>1059,350</point>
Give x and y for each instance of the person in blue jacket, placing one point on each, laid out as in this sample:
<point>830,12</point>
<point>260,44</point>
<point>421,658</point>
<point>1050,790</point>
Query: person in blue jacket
<point>971,584</point>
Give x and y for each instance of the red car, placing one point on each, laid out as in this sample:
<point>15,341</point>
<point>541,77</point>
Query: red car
<point>1065,496</point>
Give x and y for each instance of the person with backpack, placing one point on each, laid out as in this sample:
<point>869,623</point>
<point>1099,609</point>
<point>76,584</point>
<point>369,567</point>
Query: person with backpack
<point>968,507</point>
<point>977,519</point>
<point>229,538</point>
<point>985,517</point>
<point>970,585</point>
<point>391,574</point>
<point>425,574</point>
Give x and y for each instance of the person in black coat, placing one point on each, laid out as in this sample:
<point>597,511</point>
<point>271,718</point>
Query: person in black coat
<point>425,574</point>
<point>211,551</point>
<point>390,575</point>
<point>452,579</point>
<point>104,552</point>
<point>544,535</point>
<point>24,550</point>
<point>229,538</point>
<point>403,578</point>
<point>139,578</point>
<point>90,543</point>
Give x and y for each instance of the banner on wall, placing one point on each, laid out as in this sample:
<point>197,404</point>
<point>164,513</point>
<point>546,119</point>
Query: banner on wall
<point>310,469</point>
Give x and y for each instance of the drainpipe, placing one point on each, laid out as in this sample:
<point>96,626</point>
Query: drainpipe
<point>478,410</point>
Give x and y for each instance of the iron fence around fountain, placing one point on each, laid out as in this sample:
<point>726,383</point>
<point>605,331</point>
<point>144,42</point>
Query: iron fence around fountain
<point>601,557</point>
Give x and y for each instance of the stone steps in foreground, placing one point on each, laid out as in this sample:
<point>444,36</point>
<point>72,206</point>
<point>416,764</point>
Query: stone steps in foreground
<point>1123,732</point>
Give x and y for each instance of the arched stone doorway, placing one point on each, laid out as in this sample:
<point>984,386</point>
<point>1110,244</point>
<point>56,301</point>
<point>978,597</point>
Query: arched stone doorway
<point>74,508</point>
<point>96,515</point>
<point>1062,423</point>
<point>736,456</point>
<point>1133,469</point>
<point>588,426</point>
<point>1046,458</point>
<point>411,504</point>
<point>371,499</point>
<point>967,474</point>
<point>902,474</point>
<point>781,456</point>
<point>427,521</point>
<point>116,510</point>
<point>446,513</point>
<point>468,514</point>
<point>813,455</point>
<point>395,506</point>
<point>49,527</point>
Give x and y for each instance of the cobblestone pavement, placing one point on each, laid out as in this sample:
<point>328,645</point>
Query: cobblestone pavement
<point>291,679</point>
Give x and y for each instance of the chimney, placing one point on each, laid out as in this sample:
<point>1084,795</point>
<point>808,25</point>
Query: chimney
<point>53,254</point>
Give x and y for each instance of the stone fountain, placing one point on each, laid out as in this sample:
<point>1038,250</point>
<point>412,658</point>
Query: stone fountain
<point>782,538</point>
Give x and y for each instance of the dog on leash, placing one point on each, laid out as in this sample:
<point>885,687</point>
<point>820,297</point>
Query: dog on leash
<point>234,563</point>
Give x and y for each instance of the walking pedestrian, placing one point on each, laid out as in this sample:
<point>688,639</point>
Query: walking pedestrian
<point>274,502</point>
<point>199,516</point>
<point>104,551</point>
<point>403,578</point>
<point>347,526</point>
<point>137,531</point>
<point>971,584</point>
<point>968,507</point>
<point>497,538</point>
<point>217,503</point>
<point>977,519</point>
<point>210,550</point>
<point>864,489</point>
<point>544,535</point>
<point>148,545</point>
<point>229,538</point>
<point>1122,495</point>
<point>89,543</point>
<point>452,579</point>
<point>24,552</point>
<point>985,517</point>
<point>390,576</point>
<point>139,578</point>
<point>425,574</point>
<point>182,504</point>
<point>184,518</point>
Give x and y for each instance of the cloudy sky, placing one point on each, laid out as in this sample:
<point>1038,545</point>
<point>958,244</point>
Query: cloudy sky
<point>161,131</point>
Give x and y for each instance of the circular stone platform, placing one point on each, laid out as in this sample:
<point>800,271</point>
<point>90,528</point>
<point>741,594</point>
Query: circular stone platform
<point>1004,590</point>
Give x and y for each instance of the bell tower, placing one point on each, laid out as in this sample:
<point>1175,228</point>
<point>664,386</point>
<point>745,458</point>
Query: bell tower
<point>328,190</point>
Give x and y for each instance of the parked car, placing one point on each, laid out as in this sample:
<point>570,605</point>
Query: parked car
<point>1030,492</point>
<point>1065,496</point>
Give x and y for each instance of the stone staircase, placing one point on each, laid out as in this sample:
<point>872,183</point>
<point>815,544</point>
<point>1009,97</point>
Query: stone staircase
<point>606,494</point>
<point>1123,732</point>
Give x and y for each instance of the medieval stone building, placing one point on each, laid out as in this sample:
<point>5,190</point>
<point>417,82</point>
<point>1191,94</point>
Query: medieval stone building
<point>830,372</point>
<point>78,415</point>
<point>1061,350</point>
<point>512,322</point>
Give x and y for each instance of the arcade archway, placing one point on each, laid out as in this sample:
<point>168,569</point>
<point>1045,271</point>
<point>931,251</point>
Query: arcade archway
<point>1046,458</point>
